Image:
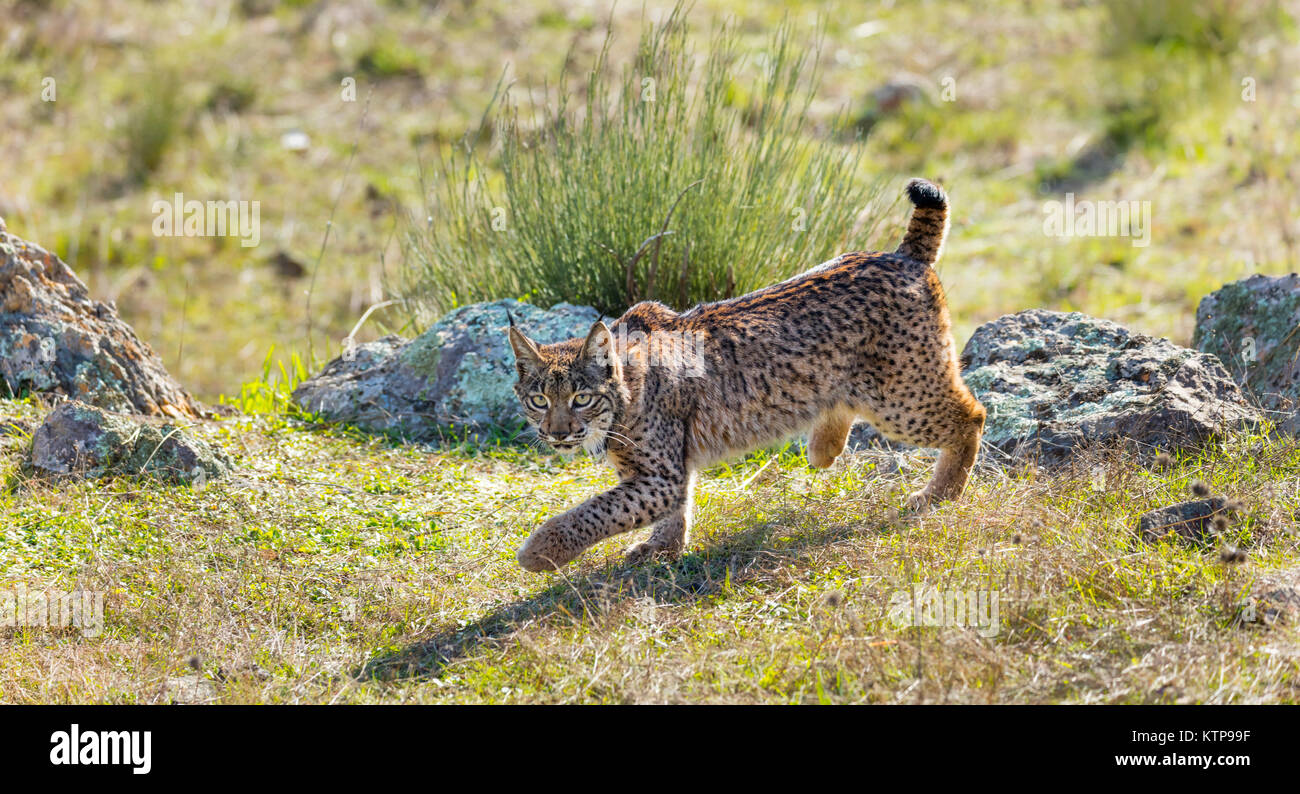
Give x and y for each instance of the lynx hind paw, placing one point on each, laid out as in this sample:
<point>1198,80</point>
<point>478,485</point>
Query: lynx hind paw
<point>918,502</point>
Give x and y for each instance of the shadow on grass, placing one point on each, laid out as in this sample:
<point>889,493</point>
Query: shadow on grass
<point>735,558</point>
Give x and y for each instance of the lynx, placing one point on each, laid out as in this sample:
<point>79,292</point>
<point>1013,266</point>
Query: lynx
<point>863,336</point>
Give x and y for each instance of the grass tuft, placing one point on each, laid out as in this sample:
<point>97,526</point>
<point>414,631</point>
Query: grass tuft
<point>658,183</point>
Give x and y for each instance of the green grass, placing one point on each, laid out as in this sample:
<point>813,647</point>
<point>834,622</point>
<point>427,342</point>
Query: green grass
<point>659,183</point>
<point>152,123</point>
<point>332,569</point>
<point>272,393</point>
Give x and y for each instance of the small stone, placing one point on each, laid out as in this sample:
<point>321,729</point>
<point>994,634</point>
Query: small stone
<point>1189,521</point>
<point>295,141</point>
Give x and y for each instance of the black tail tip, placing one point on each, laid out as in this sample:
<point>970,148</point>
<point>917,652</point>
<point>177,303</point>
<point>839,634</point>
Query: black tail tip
<point>925,194</point>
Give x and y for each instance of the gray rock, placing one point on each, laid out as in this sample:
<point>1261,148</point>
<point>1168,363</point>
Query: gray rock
<point>1189,521</point>
<point>54,338</point>
<point>1253,326</point>
<point>1054,382</point>
<point>81,440</point>
<point>1273,600</point>
<point>459,375</point>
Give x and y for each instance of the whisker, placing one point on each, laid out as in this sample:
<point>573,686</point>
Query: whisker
<point>620,437</point>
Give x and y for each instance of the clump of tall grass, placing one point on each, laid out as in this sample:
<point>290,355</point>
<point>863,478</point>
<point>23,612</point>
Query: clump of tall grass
<point>152,122</point>
<point>665,181</point>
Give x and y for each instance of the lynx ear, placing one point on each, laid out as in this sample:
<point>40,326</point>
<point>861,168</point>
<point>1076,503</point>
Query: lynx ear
<point>527,357</point>
<point>599,348</point>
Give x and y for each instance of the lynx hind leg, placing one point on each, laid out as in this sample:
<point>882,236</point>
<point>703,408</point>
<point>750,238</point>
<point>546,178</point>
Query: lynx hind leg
<point>829,435</point>
<point>957,436</point>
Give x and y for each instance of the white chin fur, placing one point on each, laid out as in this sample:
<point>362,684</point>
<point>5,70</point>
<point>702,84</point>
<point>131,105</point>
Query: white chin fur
<point>594,444</point>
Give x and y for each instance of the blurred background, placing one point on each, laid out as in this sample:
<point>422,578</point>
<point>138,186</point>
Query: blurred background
<point>458,151</point>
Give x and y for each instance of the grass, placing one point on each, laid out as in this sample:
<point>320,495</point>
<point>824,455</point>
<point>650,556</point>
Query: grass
<point>660,183</point>
<point>152,124</point>
<point>333,569</point>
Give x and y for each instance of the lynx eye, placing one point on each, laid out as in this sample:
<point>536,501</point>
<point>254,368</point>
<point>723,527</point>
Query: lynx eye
<point>581,400</point>
<point>538,401</point>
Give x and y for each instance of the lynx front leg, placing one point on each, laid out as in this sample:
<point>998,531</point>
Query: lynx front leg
<point>630,504</point>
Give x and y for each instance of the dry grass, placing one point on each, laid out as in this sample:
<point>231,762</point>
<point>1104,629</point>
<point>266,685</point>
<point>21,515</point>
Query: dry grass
<point>340,570</point>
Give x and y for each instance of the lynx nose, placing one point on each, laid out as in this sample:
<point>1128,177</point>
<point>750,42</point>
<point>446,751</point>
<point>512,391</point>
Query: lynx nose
<point>565,428</point>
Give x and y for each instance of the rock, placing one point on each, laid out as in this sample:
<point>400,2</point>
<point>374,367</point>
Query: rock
<point>54,338</point>
<point>1188,521</point>
<point>1274,599</point>
<point>1253,326</point>
<point>286,266</point>
<point>82,440</point>
<point>902,91</point>
<point>1054,382</point>
<point>458,375</point>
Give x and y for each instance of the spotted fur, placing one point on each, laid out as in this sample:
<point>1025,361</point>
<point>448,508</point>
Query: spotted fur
<point>863,336</point>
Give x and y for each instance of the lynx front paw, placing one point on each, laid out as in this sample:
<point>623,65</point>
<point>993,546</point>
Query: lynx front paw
<point>546,549</point>
<point>820,458</point>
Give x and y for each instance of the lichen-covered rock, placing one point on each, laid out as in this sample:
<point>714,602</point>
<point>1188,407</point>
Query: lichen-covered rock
<point>54,338</point>
<point>1053,382</point>
<point>82,440</point>
<point>1253,326</point>
<point>1189,521</point>
<point>457,375</point>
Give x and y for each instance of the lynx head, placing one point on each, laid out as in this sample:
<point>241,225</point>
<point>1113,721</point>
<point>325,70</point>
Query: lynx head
<point>571,391</point>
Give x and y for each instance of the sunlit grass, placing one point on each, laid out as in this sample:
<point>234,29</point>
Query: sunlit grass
<point>340,569</point>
